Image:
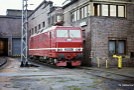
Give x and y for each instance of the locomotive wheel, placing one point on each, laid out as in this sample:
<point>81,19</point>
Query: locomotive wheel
<point>51,61</point>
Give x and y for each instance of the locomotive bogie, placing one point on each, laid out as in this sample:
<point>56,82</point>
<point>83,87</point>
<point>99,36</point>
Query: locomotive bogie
<point>68,63</point>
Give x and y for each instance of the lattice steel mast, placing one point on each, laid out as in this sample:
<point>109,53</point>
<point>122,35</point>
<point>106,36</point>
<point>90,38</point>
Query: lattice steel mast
<point>24,40</point>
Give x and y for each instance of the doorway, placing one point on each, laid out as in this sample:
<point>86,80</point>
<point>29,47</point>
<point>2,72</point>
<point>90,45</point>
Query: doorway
<point>3,46</point>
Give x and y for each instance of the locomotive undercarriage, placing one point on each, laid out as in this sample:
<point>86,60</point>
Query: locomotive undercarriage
<point>60,60</point>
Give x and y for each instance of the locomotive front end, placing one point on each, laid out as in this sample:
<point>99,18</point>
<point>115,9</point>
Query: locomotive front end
<point>69,46</point>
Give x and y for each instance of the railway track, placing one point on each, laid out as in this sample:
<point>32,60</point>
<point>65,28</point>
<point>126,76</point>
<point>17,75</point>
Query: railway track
<point>38,63</point>
<point>109,75</point>
<point>3,61</point>
<point>95,72</point>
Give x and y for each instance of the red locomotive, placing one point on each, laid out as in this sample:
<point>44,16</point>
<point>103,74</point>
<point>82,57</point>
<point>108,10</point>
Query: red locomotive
<point>59,45</point>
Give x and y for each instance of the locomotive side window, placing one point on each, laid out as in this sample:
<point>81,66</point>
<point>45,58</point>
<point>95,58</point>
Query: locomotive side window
<point>75,33</point>
<point>62,33</point>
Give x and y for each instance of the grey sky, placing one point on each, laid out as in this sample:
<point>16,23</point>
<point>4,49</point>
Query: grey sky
<point>17,4</point>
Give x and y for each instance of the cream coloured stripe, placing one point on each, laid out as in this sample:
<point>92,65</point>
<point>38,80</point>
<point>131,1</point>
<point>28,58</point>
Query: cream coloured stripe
<point>63,49</point>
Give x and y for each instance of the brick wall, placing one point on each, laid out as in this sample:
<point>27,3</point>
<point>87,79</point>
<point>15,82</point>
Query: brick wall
<point>103,28</point>
<point>10,26</point>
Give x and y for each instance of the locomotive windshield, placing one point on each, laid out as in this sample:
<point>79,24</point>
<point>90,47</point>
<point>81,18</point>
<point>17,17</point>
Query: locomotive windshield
<point>74,33</point>
<point>69,33</point>
<point>62,33</point>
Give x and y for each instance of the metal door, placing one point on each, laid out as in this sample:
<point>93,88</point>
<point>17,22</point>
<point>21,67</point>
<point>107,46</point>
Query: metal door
<point>16,47</point>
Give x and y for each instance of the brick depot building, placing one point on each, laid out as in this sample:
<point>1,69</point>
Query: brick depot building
<point>108,26</point>
<point>10,33</point>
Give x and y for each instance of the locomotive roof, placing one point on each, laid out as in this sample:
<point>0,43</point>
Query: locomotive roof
<point>49,29</point>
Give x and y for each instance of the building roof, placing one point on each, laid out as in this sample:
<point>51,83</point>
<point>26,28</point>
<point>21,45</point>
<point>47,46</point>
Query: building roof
<point>69,3</point>
<point>10,17</point>
<point>54,8</point>
<point>47,3</point>
<point>16,12</point>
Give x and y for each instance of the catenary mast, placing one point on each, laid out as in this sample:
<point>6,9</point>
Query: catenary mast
<point>24,40</point>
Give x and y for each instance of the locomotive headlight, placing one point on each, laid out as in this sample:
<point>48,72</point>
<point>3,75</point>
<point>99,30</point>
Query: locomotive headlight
<point>77,49</point>
<point>60,49</point>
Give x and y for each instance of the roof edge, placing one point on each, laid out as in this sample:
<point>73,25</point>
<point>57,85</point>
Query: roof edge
<point>70,3</point>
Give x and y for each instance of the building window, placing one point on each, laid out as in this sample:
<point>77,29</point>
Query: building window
<point>43,24</point>
<point>79,13</point>
<point>104,10</point>
<point>113,10</point>
<point>112,48</point>
<point>73,16</point>
<point>89,10</point>
<point>32,31</point>
<point>109,10</point>
<point>52,20</point>
<point>121,47</point>
<point>85,11</point>
<point>36,29</point>
<point>117,47</point>
<point>121,10</point>
<point>97,9</point>
<point>49,21</point>
<point>39,26</point>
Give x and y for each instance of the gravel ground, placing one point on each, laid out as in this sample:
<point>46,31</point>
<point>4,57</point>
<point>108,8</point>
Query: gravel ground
<point>12,77</point>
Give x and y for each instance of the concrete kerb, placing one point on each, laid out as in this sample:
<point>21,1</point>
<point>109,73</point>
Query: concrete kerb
<point>3,61</point>
<point>108,71</point>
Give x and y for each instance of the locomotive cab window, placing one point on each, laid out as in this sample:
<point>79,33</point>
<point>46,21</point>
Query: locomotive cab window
<point>74,33</point>
<point>69,33</point>
<point>62,33</point>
